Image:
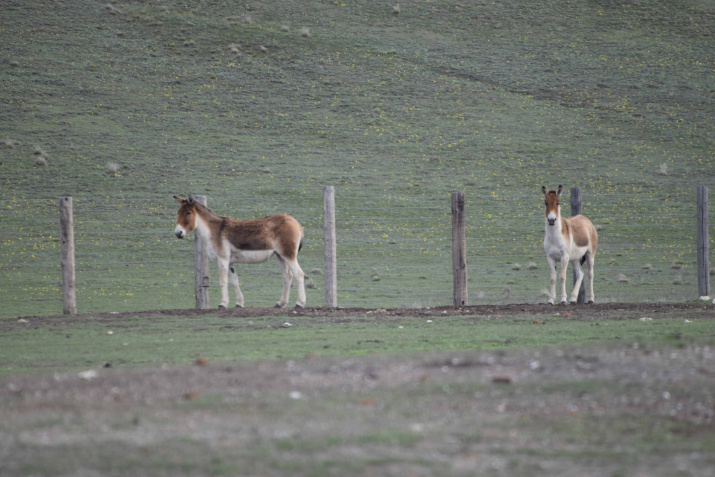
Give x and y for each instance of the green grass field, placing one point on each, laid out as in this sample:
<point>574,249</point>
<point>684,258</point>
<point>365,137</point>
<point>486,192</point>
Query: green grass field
<point>123,106</point>
<point>51,344</point>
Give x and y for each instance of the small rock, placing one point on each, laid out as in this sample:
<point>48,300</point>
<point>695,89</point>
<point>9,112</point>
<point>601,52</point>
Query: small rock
<point>295,395</point>
<point>88,375</point>
<point>110,332</point>
<point>286,325</point>
<point>646,318</point>
<point>501,380</point>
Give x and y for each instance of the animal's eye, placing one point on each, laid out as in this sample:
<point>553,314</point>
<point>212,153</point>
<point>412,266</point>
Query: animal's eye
<point>188,213</point>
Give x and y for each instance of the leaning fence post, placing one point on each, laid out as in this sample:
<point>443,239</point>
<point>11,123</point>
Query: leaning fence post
<point>69,291</point>
<point>577,209</point>
<point>702,242</point>
<point>331,265</point>
<point>459,250</point>
<point>201,267</point>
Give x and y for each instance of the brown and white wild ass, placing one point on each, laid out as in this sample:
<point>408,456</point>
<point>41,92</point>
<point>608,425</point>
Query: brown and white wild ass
<point>245,241</point>
<point>568,240</point>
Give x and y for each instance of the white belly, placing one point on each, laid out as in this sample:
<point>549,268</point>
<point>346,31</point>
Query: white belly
<point>250,256</point>
<point>559,250</point>
<point>577,252</point>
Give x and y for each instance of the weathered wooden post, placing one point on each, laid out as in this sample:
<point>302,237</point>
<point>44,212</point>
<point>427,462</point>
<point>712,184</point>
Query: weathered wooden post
<point>702,242</point>
<point>330,241</point>
<point>459,250</point>
<point>201,267</point>
<point>69,290</point>
<point>577,209</point>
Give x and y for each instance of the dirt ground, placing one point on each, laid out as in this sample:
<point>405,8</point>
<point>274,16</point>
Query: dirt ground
<point>584,311</point>
<point>593,411</point>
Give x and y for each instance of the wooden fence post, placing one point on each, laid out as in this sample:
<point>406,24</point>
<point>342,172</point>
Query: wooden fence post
<point>577,209</point>
<point>330,240</point>
<point>201,267</point>
<point>702,242</point>
<point>459,251</point>
<point>69,290</point>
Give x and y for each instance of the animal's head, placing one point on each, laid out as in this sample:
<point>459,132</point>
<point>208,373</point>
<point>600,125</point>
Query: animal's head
<point>552,203</point>
<point>186,221</point>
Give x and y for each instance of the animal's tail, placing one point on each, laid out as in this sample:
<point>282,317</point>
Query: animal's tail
<point>300,244</point>
<point>583,259</point>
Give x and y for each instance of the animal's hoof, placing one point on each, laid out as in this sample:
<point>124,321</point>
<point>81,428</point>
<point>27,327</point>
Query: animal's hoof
<point>239,306</point>
<point>550,303</point>
<point>591,302</point>
<point>564,303</point>
<point>277,306</point>
<point>299,307</point>
<point>221,307</point>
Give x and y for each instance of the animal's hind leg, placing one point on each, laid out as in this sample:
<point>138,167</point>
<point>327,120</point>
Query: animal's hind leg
<point>300,277</point>
<point>579,279</point>
<point>287,280</point>
<point>291,270</point>
<point>591,260</point>
<point>233,278</point>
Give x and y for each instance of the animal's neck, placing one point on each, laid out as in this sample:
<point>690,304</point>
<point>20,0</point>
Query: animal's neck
<point>202,226</point>
<point>555,232</point>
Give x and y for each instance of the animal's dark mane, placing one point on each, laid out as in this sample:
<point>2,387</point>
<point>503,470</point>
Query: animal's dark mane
<point>210,212</point>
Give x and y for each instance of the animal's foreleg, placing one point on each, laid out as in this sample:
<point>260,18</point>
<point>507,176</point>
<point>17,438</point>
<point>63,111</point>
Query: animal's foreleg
<point>287,280</point>
<point>223,280</point>
<point>579,279</point>
<point>564,267</point>
<point>552,270</point>
<point>233,277</point>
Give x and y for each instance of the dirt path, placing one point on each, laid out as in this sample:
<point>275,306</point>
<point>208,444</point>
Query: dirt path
<point>580,311</point>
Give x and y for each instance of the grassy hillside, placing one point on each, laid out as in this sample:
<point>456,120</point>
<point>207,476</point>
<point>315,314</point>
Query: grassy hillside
<point>260,104</point>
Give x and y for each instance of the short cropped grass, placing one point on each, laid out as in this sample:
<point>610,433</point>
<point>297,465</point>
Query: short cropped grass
<point>55,344</point>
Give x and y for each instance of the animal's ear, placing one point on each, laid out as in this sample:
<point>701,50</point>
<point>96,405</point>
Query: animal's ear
<point>558,191</point>
<point>543,189</point>
<point>179,199</point>
<point>190,200</point>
